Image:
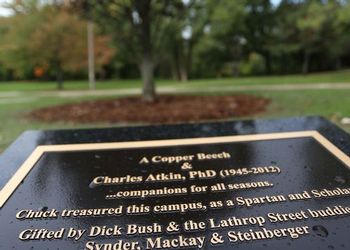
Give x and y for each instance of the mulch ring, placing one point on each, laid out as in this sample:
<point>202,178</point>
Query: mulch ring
<point>167,109</point>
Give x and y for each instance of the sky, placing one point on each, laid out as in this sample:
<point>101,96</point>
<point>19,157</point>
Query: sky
<point>274,2</point>
<point>6,12</point>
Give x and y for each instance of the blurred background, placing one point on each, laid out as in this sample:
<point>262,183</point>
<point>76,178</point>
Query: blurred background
<point>79,64</point>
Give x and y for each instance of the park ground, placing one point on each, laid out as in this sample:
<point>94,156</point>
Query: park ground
<point>324,94</point>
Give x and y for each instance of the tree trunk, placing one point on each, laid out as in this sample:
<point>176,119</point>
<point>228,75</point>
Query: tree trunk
<point>183,73</point>
<point>338,64</point>
<point>235,69</point>
<point>188,62</point>
<point>147,73</point>
<point>174,72</point>
<point>268,69</point>
<point>176,63</point>
<point>143,7</point>
<point>91,55</point>
<point>59,79</point>
<point>306,62</point>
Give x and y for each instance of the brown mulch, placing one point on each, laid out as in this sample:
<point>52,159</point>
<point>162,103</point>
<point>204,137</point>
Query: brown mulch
<point>167,109</point>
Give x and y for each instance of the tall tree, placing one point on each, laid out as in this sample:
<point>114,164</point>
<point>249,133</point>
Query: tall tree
<point>16,31</point>
<point>259,24</point>
<point>187,27</point>
<point>310,23</point>
<point>138,28</point>
<point>53,39</point>
<point>286,43</point>
<point>337,31</point>
<point>224,35</point>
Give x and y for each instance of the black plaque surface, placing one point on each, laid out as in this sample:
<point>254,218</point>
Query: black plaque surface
<point>268,184</point>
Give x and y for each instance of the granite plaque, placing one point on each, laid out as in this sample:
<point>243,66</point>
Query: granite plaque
<point>264,184</point>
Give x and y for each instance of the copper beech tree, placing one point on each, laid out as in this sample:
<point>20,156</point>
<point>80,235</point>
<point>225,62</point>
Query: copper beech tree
<point>138,28</point>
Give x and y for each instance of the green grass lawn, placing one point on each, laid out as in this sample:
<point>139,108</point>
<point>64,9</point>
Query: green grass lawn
<point>332,104</point>
<point>328,77</point>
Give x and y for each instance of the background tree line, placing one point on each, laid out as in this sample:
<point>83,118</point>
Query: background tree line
<point>177,39</point>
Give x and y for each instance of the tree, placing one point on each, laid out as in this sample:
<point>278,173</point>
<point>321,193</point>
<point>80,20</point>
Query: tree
<point>15,34</point>
<point>310,30</point>
<point>338,40</point>
<point>286,42</point>
<point>186,31</point>
<point>309,26</point>
<point>221,45</point>
<point>192,38</point>
<point>53,39</point>
<point>259,24</point>
<point>137,27</point>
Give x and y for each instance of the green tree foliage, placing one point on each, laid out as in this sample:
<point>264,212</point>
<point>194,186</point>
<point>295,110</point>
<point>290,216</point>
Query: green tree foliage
<point>50,38</point>
<point>138,28</point>
<point>178,38</point>
<point>221,48</point>
<point>314,20</point>
<point>15,34</point>
<point>259,24</point>
<point>312,29</point>
<point>184,33</point>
